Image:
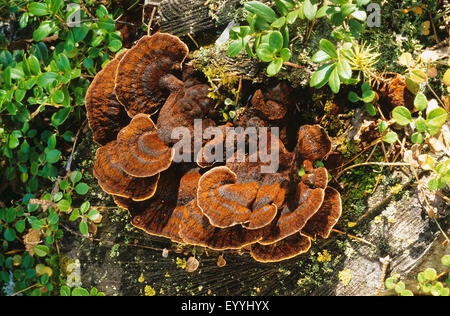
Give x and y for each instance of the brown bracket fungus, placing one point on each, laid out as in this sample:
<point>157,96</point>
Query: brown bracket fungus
<point>287,248</point>
<point>106,116</point>
<point>141,152</point>
<point>225,202</point>
<point>115,181</point>
<point>142,70</point>
<point>275,214</point>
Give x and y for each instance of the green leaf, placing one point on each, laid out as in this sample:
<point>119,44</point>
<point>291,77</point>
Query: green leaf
<point>368,96</point>
<point>38,9</point>
<point>61,116</point>
<point>261,10</point>
<point>34,64</point>
<point>285,54</point>
<point>64,291</point>
<point>437,117</point>
<point>390,137</point>
<point>390,283</point>
<point>115,45</point>
<point>93,215</point>
<point>276,41</point>
<point>320,57</point>
<point>309,10</point>
<point>402,116</point>
<point>321,76</point>
<point>85,207</point>
<point>421,102</point>
<point>399,287</point>
<point>53,156</point>
<point>9,234</point>
<point>446,260</point>
<point>345,71</point>
<point>279,23</point>
<point>82,188</point>
<point>41,250</point>
<point>348,9</point>
<point>328,48</point>
<point>417,138</point>
<point>265,53</point>
<point>75,176</point>
<point>84,229</point>
<point>64,205</point>
<point>235,48</point>
<point>420,125</point>
<point>274,67</point>
<point>74,215</point>
<point>370,108</point>
<point>80,292</point>
<point>334,81</point>
<point>20,226</point>
<point>46,79</point>
<point>430,274</point>
<point>382,127</point>
<point>44,30</point>
<point>58,97</point>
<point>360,15</point>
<point>406,293</point>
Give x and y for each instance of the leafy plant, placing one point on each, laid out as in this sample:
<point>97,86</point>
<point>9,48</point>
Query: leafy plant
<point>368,96</point>
<point>429,283</point>
<point>394,283</point>
<point>42,96</point>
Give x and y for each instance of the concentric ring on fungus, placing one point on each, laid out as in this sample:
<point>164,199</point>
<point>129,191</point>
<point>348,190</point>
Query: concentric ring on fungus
<point>225,207</point>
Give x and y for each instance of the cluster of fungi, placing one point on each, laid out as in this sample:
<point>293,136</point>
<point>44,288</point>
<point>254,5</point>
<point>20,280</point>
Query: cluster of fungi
<point>222,206</point>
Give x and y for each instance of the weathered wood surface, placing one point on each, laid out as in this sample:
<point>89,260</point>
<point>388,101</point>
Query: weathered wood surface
<point>182,17</point>
<point>124,261</point>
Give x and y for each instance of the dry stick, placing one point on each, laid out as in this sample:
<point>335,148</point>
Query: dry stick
<point>149,29</point>
<point>382,164</point>
<point>193,40</point>
<point>287,63</point>
<point>353,237</point>
<point>238,92</point>
<point>386,262</point>
<point>436,38</point>
<point>28,288</point>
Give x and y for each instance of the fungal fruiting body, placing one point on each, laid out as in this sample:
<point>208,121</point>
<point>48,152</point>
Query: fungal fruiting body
<point>135,106</point>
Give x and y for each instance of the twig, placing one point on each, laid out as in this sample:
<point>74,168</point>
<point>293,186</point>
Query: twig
<point>28,288</point>
<point>382,164</point>
<point>353,237</point>
<point>386,262</point>
<point>149,29</point>
<point>287,63</point>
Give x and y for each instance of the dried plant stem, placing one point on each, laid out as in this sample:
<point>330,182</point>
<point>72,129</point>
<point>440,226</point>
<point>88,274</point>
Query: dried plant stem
<point>28,288</point>
<point>382,164</point>
<point>386,262</point>
<point>353,237</point>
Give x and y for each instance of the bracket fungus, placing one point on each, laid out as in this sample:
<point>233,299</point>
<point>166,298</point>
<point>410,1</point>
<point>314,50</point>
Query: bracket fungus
<point>143,69</point>
<point>134,106</point>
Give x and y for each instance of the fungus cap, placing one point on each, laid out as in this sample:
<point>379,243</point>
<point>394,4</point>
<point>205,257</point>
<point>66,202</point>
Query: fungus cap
<point>106,116</point>
<point>138,79</point>
<point>313,143</point>
<point>113,180</point>
<point>162,214</point>
<point>196,229</point>
<point>287,248</point>
<point>141,152</point>
<point>225,202</point>
<point>326,218</point>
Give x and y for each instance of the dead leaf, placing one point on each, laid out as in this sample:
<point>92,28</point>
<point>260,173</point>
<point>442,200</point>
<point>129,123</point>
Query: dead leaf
<point>31,239</point>
<point>221,262</point>
<point>192,264</point>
